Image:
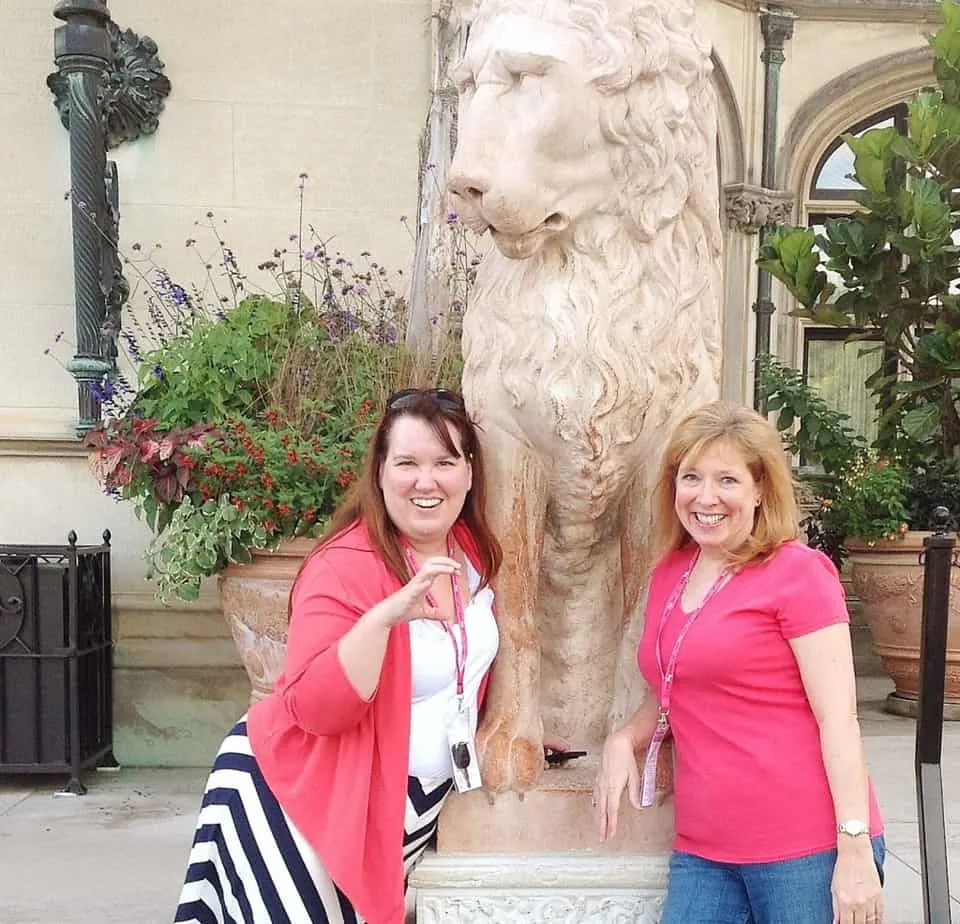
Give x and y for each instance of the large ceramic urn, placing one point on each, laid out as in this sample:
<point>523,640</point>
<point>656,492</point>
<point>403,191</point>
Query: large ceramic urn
<point>887,576</point>
<point>254,600</point>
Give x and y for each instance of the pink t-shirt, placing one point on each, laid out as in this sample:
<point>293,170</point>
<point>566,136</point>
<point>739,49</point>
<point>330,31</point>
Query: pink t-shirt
<point>749,779</point>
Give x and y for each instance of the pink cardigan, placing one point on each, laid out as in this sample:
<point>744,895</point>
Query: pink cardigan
<point>337,763</point>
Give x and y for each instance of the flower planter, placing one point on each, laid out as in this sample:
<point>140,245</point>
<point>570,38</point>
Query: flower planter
<point>888,579</point>
<point>254,602</point>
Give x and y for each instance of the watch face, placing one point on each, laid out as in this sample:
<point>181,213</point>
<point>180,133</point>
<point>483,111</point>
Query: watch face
<point>854,828</point>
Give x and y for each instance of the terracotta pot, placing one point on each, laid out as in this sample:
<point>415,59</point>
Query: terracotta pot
<point>254,602</point>
<point>888,578</point>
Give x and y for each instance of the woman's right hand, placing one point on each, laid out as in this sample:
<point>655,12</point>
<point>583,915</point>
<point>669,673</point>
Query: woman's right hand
<point>619,770</point>
<point>410,601</point>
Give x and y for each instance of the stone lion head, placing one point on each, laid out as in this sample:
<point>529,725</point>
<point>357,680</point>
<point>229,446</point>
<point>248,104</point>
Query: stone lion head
<point>577,110</point>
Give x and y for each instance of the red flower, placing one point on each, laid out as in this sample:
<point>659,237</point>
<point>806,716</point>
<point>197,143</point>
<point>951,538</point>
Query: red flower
<point>283,510</point>
<point>292,457</point>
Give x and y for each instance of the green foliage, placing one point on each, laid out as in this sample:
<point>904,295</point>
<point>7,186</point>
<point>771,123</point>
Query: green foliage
<point>864,495</point>
<point>869,500</point>
<point>222,367</point>
<point>824,435</point>
<point>200,540</point>
<point>250,416</point>
<point>897,262</point>
<point>897,266</point>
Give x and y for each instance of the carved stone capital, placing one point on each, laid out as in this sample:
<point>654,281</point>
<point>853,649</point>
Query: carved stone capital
<point>133,88</point>
<point>749,209</point>
<point>559,889</point>
<point>777,28</point>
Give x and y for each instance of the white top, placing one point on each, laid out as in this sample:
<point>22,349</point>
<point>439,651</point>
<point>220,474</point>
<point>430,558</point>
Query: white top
<point>434,679</point>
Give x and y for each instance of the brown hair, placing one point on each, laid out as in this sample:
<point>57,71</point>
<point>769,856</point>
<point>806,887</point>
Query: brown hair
<point>757,440</point>
<point>364,502</point>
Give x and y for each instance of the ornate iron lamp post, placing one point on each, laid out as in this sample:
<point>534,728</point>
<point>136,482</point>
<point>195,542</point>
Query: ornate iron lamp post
<point>82,53</point>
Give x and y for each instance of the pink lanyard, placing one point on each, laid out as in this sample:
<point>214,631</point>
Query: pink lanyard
<point>666,676</point>
<point>459,651</point>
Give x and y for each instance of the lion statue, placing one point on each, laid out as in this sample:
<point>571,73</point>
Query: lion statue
<point>587,148</point>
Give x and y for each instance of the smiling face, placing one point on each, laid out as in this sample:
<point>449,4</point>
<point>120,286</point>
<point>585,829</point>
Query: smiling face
<point>716,499</point>
<point>424,485</point>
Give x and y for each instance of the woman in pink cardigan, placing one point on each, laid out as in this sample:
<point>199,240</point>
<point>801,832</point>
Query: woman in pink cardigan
<point>324,796</point>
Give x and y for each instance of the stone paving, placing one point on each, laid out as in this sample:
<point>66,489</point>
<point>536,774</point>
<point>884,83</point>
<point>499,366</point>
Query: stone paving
<point>118,853</point>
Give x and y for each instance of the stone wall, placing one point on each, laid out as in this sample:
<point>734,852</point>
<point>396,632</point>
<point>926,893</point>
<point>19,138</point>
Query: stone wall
<point>337,90</point>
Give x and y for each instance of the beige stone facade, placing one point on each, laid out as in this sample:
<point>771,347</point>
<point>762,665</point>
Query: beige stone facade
<point>338,90</point>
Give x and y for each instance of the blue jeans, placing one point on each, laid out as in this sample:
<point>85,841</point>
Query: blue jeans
<point>785,892</point>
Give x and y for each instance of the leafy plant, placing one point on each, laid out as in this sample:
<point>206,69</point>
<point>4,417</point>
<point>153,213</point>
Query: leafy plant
<point>824,435</point>
<point>897,262</point>
<point>246,413</point>
<point>869,501</point>
<point>862,493</point>
<point>897,266</point>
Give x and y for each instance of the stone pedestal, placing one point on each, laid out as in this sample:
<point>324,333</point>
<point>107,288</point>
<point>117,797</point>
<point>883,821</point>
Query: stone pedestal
<point>540,859</point>
<point>539,889</point>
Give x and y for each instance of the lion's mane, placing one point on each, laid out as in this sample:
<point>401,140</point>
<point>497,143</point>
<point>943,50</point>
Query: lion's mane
<point>630,304</point>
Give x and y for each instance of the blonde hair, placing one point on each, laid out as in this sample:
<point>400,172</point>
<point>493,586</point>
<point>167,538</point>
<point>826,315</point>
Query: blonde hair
<point>757,441</point>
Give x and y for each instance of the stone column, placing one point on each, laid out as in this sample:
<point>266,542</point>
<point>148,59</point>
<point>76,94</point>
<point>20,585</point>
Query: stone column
<point>777,27</point>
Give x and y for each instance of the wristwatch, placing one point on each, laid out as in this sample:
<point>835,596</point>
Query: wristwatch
<point>853,827</point>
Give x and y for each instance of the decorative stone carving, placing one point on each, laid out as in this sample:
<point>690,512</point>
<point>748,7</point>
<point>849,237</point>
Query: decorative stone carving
<point>133,88</point>
<point>460,889</point>
<point>750,209</point>
<point>587,147</point>
<point>777,28</point>
<point>554,908</point>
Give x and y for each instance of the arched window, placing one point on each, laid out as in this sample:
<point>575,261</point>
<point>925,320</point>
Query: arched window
<point>837,369</point>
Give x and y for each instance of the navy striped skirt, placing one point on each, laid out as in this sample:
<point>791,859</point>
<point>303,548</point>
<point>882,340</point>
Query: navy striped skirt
<point>250,865</point>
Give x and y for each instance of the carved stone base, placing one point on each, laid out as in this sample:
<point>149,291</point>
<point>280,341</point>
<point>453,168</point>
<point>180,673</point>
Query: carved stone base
<point>539,889</point>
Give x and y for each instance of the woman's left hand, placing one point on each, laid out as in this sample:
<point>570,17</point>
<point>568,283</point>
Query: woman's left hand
<point>856,889</point>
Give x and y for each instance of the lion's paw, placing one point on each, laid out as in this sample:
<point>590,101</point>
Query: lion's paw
<point>511,756</point>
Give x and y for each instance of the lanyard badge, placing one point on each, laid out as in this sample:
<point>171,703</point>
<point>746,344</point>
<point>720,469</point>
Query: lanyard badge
<point>667,674</point>
<point>460,733</point>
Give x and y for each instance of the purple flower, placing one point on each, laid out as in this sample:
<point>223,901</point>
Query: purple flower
<point>158,372</point>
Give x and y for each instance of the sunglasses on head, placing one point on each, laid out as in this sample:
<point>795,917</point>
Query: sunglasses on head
<point>441,397</point>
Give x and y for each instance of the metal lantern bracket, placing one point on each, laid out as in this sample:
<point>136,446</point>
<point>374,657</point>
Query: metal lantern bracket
<point>133,87</point>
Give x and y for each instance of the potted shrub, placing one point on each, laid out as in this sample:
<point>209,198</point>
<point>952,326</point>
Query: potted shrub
<point>245,418</point>
<point>897,269</point>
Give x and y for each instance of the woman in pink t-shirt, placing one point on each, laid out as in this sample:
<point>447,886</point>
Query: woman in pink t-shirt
<point>747,653</point>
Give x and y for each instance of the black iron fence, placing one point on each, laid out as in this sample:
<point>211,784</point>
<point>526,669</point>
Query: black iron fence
<point>56,659</point>
<point>939,557</point>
